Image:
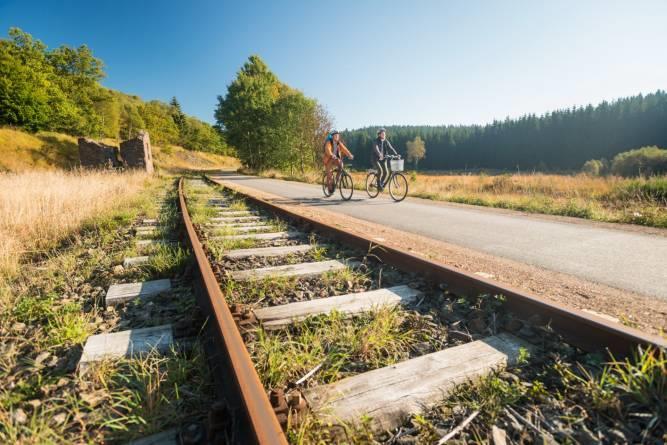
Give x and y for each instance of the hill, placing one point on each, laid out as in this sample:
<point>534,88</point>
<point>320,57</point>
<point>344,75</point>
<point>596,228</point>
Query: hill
<point>22,151</point>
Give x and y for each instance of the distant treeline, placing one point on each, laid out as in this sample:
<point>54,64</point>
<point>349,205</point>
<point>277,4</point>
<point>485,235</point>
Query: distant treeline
<point>59,90</point>
<point>556,141</point>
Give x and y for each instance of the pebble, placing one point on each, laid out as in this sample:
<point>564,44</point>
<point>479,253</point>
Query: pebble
<point>60,418</point>
<point>477,325</point>
<point>118,269</point>
<point>18,327</point>
<point>20,416</point>
<point>41,357</point>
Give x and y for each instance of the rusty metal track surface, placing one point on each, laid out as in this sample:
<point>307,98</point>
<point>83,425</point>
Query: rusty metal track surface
<point>586,331</point>
<point>261,423</point>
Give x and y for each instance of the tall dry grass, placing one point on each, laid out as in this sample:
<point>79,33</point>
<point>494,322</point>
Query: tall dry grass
<point>611,198</point>
<point>39,208</point>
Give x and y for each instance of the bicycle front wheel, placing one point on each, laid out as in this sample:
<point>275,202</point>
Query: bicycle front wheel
<point>372,185</point>
<point>325,187</point>
<point>346,186</point>
<point>398,187</point>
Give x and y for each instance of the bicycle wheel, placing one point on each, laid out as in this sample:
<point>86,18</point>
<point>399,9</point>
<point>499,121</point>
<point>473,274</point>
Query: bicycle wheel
<point>372,185</point>
<point>346,186</point>
<point>325,189</point>
<point>398,187</point>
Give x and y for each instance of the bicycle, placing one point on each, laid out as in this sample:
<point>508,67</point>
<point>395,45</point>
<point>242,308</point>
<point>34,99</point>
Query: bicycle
<point>398,183</point>
<point>341,181</point>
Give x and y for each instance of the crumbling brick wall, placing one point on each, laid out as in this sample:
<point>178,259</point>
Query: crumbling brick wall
<point>93,154</point>
<point>136,152</point>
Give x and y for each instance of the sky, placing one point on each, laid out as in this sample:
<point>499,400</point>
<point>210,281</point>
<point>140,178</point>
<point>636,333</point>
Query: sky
<point>370,62</point>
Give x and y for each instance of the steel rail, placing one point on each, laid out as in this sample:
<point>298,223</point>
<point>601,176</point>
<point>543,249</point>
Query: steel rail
<point>261,424</point>
<point>589,332</point>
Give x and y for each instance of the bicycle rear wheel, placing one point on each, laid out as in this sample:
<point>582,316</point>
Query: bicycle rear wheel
<point>372,185</point>
<point>346,186</point>
<point>325,188</point>
<point>398,187</point>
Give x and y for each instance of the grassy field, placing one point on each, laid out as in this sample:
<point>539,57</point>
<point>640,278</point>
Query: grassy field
<point>40,209</point>
<point>612,199</point>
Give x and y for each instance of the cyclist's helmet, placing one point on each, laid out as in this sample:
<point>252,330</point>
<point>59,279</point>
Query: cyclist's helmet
<point>381,130</point>
<point>332,132</point>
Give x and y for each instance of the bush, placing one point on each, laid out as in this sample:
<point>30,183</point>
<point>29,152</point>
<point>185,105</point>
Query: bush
<point>645,161</point>
<point>594,167</point>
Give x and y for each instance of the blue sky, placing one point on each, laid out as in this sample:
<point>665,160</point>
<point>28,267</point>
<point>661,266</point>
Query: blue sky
<point>370,62</point>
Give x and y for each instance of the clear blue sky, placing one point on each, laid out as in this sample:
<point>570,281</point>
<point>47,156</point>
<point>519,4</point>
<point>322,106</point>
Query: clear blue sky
<point>370,62</point>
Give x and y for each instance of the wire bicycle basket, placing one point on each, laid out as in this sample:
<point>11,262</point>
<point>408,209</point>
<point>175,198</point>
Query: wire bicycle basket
<point>396,165</point>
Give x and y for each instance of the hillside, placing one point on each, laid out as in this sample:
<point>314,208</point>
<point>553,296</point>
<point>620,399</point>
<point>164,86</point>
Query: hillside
<point>21,151</point>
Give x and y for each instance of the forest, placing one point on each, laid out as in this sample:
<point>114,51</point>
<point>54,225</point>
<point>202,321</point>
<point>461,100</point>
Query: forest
<point>558,141</point>
<point>59,90</point>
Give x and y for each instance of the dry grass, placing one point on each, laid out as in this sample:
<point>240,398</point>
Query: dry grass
<point>175,159</point>
<point>20,151</point>
<point>611,199</point>
<point>39,208</point>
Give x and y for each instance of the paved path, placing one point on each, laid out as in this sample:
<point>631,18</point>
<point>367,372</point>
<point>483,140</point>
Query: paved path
<point>618,258</point>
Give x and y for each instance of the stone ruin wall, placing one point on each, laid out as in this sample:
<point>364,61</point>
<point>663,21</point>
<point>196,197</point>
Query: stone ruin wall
<point>137,153</point>
<point>93,154</point>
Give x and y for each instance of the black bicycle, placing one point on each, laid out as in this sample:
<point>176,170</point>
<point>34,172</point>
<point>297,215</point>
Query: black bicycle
<point>398,183</point>
<point>341,180</point>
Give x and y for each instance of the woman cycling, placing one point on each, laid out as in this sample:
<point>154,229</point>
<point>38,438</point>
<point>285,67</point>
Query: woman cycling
<point>334,151</point>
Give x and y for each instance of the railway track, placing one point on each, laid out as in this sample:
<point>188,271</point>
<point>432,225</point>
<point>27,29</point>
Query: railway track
<point>268,278</point>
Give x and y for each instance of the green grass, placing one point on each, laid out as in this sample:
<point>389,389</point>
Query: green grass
<point>344,346</point>
<point>256,291</point>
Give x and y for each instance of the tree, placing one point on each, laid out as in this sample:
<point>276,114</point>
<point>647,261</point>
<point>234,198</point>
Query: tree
<point>200,136</point>
<point>645,161</point>
<point>245,109</point>
<point>416,150</point>
<point>177,114</point>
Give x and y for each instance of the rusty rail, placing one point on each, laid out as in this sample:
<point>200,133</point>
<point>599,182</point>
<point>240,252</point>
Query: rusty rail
<point>258,421</point>
<point>586,331</point>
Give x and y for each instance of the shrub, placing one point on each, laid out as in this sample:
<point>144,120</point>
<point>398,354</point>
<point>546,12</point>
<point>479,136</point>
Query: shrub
<point>594,167</point>
<point>645,161</point>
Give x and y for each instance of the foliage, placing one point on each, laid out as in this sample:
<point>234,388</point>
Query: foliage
<point>416,150</point>
<point>594,167</point>
<point>59,90</point>
<point>556,141</point>
<point>269,123</point>
<point>645,161</point>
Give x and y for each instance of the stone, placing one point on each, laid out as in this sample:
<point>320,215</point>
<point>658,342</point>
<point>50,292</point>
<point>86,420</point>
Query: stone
<point>20,416</point>
<point>93,154</point>
<point>137,153</point>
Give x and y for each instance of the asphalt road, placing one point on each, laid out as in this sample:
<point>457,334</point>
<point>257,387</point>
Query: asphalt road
<point>622,259</point>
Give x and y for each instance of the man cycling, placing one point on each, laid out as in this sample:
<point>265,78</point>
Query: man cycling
<point>380,150</point>
<point>334,151</point>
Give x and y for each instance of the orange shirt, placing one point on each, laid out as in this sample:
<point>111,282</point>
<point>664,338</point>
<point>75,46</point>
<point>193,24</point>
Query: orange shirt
<point>328,151</point>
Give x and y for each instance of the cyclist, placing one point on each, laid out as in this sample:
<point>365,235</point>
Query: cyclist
<point>380,150</point>
<point>334,151</point>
